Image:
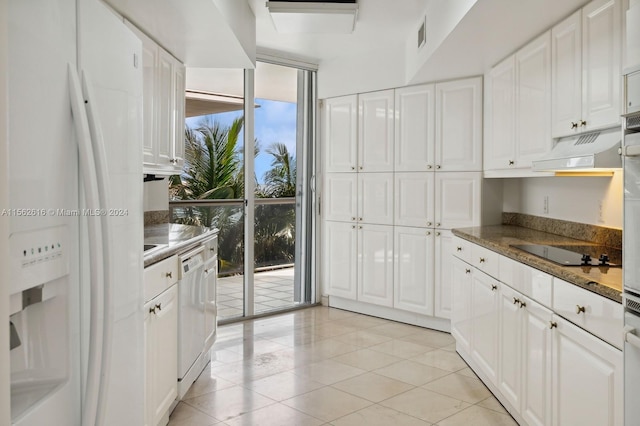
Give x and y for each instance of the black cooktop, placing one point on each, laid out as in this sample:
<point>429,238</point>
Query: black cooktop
<point>571,255</point>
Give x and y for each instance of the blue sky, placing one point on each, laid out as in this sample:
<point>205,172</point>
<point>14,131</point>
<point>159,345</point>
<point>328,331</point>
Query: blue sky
<point>275,121</point>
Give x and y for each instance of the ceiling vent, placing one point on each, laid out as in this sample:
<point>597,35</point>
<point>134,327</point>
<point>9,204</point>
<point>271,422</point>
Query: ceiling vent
<point>319,17</point>
<point>422,33</point>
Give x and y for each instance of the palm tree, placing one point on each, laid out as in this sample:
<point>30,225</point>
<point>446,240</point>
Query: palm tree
<point>280,181</point>
<point>214,169</point>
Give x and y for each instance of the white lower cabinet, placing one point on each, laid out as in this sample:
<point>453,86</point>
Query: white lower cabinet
<point>543,368</point>
<point>587,378</point>
<point>375,264</point>
<point>485,293</point>
<point>443,274</point>
<point>413,269</point>
<point>161,354</point>
<point>340,256</point>
<point>461,278</point>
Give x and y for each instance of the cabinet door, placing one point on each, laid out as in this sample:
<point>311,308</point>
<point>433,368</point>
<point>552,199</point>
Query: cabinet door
<point>149,366</point>
<point>164,325</point>
<point>533,94</point>
<point>375,198</point>
<point>457,202</point>
<point>459,125</point>
<point>341,197</point>
<point>375,264</point>
<point>415,134</point>
<point>601,53</point>
<point>484,323</point>
<point>443,274</point>
<point>587,378</point>
<point>461,280</point>
<point>341,134</point>
<point>165,127</point>
<point>413,270</point>
<point>566,77</point>
<point>340,257</point>
<point>499,143</point>
<point>149,91</point>
<point>210,306</point>
<point>179,76</point>
<point>414,199</point>
<point>376,131</point>
<point>536,364</point>
<point>510,346</point>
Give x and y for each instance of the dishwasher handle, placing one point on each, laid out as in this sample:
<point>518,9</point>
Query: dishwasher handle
<point>630,337</point>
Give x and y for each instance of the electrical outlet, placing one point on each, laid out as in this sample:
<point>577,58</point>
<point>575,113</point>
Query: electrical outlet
<point>601,211</point>
<point>545,206</point>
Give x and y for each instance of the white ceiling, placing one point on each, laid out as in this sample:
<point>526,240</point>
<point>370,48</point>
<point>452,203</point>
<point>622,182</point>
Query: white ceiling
<point>380,24</point>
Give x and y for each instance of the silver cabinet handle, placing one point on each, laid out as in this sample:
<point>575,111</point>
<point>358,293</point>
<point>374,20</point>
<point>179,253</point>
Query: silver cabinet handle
<point>159,306</point>
<point>553,324</point>
<point>169,275</point>
<point>152,310</point>
<point>458,248</point>
<point>494,287</point>
<point>353,218</point>
<point>428,223</point>
<point>482,260</point>
<point>360,167</point>
<point>522,304</point>
<point>438,167</point>
<point>583,123</point>
<point>359,218</point>
<point>579,309</point>
<point>428,233</point>
<point>353,227</point>
<point>516,301</point>
<point>437,224</point>
<point>360,227</point>
<point>353,168</point>
<point>574,125</point>
<point>429,166</point>
<point>438,234</point>
<point>467,271</point>
<point>511,162</point>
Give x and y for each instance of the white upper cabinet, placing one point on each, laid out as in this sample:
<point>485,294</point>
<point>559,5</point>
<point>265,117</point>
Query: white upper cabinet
<point>601,63</point>
<point>341,134</point>
<point>459,125</point>
<point>566,70</point>
<point>413,270</point>
<point>341,199</point>
<point>376,118</point>
<point>375,198</point>
<point>500,116</point>
<point>586,58</point>
<point>414,199</point>
<point>457,202</point>
<point>518,107</point>
<point>533,98</point>
<point>163,108</point>
<point>415,133</point>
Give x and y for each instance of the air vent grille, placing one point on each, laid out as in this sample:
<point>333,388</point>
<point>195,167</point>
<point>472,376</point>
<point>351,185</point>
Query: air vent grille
<point>422,33</point>
<point>587,139</point>
<point>633,122</point>
<point>632,305</point>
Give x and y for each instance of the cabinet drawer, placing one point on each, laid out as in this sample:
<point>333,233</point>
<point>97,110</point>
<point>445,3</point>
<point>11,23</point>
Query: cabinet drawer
<point>527,280</point>
<point>486,260</point>
<point>159,277</point>
<point>462,249</point>
<point>210,248</point>
<point>596,314</point>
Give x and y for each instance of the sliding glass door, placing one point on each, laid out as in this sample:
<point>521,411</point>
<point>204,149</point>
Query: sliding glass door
<point>248,171</point>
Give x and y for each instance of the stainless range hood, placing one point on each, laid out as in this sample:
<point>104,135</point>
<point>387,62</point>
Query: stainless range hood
<point>587,152</point>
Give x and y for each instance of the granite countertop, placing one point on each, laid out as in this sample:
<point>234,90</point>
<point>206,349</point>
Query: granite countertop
<point>172,238</point>
<point>605,281</point>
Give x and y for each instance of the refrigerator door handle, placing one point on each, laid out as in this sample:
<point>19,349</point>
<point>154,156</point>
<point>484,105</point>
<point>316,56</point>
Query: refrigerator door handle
<point>100,155</point>
<point>92,199</point>
<point>630,337</point>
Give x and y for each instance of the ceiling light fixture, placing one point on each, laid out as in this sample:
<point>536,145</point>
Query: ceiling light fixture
<point>328,17</point>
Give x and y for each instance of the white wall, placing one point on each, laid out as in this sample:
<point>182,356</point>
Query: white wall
<point>575,199</point>
<point>374,70</point>
<point>156,195</point>
<point>442,17</point>
<point>4,224</point>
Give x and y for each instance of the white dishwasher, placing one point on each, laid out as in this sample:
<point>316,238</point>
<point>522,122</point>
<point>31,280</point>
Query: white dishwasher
<point>191,317</point>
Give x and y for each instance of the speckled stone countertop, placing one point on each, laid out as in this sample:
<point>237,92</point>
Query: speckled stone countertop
<point>172,238</point>
<point>604,281</point>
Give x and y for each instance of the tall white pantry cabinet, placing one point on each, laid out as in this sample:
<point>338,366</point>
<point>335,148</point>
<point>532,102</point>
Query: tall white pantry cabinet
<point>401,168</point>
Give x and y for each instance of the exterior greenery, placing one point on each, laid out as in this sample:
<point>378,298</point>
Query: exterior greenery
<point>214,170</point>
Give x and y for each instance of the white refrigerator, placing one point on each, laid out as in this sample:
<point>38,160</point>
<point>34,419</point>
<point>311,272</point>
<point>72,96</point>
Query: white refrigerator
<point>75,215</point>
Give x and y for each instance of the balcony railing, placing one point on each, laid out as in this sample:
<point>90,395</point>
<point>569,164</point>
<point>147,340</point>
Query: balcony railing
<point>274,228</point>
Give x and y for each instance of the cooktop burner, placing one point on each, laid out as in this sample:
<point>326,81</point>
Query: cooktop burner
<point>570,255</point>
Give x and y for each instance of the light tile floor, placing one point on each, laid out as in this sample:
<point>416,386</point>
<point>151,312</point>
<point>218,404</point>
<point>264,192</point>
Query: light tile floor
<point>324,366</point>
<point>273,290</point>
